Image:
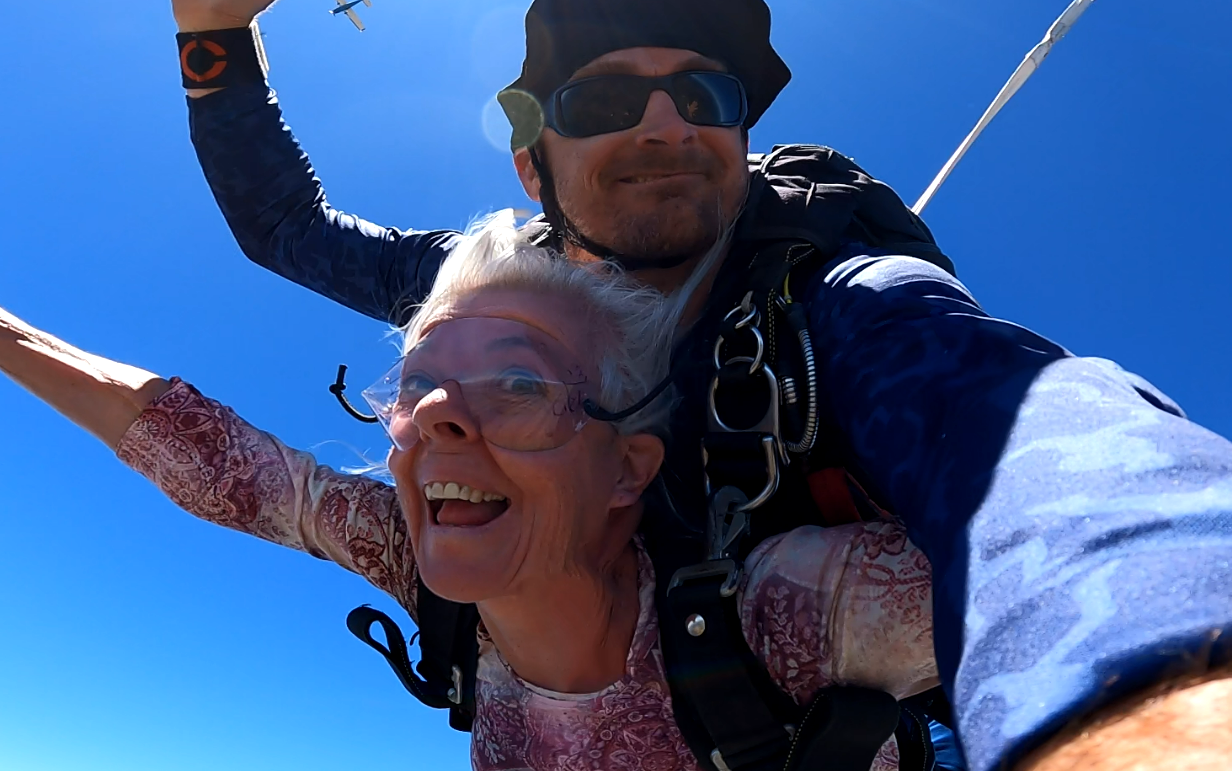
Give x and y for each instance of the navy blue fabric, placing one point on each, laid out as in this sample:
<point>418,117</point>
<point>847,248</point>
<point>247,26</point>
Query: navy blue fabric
<point>1079,527</point>
<point>272,200</point>
<point>945,749</point>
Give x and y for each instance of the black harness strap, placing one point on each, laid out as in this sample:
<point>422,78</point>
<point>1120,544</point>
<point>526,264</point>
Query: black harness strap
<point>844,729</point>
<point>743,714</point>
<point>731,694</point>
<point>450,649</point>
<point>915,746</point>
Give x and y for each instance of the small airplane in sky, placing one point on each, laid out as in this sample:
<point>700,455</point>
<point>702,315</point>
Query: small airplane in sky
<point>348,9</point>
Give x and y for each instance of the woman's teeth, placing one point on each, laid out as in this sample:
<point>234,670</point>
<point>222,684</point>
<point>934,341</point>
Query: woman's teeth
<point>452,491</point>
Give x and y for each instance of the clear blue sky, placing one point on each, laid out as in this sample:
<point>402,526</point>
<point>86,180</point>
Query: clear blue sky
<point>135,638</point>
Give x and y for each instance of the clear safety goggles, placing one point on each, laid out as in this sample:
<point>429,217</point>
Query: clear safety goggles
<point>517,386</point>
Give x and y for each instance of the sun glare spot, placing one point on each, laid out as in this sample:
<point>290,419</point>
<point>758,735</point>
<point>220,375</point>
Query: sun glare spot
<point>496,127</point>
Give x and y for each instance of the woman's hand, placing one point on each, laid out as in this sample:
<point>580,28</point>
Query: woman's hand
<point>102,396</point>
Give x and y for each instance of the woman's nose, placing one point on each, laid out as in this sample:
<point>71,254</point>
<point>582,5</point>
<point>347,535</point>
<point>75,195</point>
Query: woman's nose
<point>444,417</point>
<point>662,124</point>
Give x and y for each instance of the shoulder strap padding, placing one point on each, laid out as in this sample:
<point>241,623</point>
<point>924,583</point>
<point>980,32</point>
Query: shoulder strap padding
<point>813,193</point>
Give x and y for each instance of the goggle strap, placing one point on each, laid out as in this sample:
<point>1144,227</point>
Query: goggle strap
<point>338,389</point>
<point>598,413</point>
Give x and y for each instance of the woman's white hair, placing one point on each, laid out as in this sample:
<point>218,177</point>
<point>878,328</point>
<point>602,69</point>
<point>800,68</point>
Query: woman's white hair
<point>634,325</point>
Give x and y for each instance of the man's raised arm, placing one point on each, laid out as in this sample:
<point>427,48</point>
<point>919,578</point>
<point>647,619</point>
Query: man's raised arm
<point>1078,526</point>
<point>270,196</point>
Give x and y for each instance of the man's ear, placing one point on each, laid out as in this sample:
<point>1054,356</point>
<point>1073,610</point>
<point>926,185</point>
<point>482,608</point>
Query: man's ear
<point>527,173</point>
<point>643,458</point>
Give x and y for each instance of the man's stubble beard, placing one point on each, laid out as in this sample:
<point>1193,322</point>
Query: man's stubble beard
<point>670,230</point>
<point>674,230</point>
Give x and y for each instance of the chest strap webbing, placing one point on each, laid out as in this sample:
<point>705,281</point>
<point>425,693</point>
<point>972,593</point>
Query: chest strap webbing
<point>713,670</point>
<point>751,723</point>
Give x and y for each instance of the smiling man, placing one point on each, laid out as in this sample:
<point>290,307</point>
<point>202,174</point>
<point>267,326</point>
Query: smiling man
<point>661,201</point>
<point>1078,526</point>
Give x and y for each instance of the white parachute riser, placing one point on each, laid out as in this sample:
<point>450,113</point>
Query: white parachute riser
<point>1059,29</point>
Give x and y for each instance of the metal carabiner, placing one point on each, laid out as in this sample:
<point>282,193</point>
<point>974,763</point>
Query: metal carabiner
<point>768,427</point>
<point>773,448</point>
<point>769,423</point>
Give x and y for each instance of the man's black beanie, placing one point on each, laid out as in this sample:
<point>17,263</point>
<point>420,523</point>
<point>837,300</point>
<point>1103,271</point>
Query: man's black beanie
<point>562,36</point>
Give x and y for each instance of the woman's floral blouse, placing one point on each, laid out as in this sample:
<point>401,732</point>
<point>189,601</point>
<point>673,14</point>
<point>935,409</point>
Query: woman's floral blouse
<point>848,605</point>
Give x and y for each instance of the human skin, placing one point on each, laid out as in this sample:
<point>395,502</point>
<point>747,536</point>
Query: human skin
<point>1180,726</point>
<point>554,576</point>
<point>663,188</point>
<point>104,397</point>
<point>1183,729</point>
<point>565,540</point>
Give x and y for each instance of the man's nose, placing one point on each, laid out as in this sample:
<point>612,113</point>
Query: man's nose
<point>444,417</point>
<point>662,124</point>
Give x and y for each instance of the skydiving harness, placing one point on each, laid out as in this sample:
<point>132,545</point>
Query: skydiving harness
<point>750,724</point>
<point>762,438</point>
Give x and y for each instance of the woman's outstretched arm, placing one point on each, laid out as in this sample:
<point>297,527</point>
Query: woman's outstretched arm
<point>104,397</point>
<point>213,464</point>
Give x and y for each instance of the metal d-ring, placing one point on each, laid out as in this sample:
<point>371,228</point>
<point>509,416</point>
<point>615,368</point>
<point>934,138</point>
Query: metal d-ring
<point>750,314</point>
<point>755,362</point>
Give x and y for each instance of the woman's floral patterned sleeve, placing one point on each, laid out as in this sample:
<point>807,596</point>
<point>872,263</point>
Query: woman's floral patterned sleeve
<point>848,605</point>
<point>212,464</point>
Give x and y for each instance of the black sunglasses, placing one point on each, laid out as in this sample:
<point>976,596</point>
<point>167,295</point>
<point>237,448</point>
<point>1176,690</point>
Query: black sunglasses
<point>608,103</point>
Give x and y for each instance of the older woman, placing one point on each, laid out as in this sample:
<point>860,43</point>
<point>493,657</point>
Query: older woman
<point>510,497</point>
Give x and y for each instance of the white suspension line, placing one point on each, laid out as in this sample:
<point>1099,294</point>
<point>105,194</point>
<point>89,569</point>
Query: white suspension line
<point>1029,65</point>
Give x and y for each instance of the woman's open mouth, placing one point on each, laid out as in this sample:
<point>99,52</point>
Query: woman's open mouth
<point>457,505</point>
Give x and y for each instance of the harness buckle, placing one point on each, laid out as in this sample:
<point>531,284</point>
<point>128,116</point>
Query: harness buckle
<point>728,522</point>
<point>729,569</point>
<point>455,693</point>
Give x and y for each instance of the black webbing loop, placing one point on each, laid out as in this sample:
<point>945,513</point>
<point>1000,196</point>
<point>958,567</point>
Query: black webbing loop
<point>360,622</point>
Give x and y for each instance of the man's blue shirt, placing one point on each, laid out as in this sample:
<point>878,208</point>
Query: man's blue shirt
<point>1079,527</point>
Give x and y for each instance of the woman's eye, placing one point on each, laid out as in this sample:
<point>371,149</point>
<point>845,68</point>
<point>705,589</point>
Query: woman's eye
<point>523,384</point>
<point>417,385</point>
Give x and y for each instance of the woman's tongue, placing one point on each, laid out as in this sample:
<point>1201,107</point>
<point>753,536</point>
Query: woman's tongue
<point>456,513</point>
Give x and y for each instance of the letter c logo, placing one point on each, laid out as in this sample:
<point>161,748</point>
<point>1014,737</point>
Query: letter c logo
<point>220,62</point>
